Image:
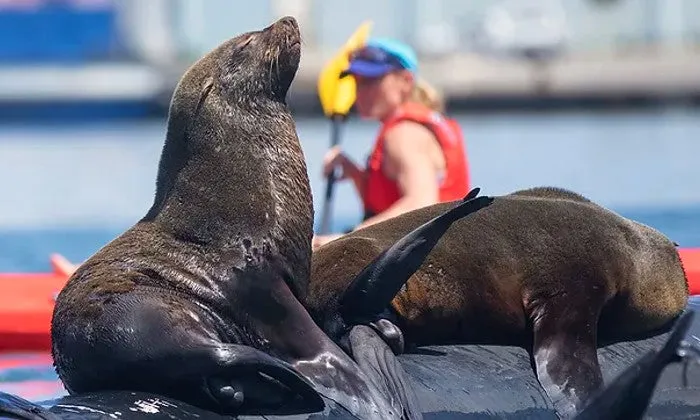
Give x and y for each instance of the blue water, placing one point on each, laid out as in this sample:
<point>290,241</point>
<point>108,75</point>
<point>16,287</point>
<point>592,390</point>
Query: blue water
<point>71,188</point>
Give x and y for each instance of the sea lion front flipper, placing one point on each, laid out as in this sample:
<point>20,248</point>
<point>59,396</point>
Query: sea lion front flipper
<point>18,408</point>
<point>379,363</point>
<point>627,397</point>
<point>184,360</point>
<point>371,292</point>
<point>250,390</point>
<point>565,348</point>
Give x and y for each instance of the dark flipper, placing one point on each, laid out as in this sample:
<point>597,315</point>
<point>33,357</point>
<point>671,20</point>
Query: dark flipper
<point>229,379</point>
<point>18,408</point>
<point>380,364</point>
<point>244,388</point>
<point>628,396</point>
<point>182,361</point>
<point>372,290</point>
<point>565,351</point>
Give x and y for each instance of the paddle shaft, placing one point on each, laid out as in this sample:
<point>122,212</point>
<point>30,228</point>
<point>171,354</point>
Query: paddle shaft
<point>336,124</point>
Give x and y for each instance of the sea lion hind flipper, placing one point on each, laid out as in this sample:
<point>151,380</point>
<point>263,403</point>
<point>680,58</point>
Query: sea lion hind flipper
<point>255,392</point>
<point>372,290</point>
<point>15,407</point>
<point>628,395</point>
<point>380,364</point>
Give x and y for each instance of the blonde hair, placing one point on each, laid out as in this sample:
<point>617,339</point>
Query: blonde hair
<point>427,95</point>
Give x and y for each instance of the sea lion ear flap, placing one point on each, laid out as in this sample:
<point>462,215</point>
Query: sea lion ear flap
<point>373,289</point>
<point>628,396</point>
<point>252,382</point>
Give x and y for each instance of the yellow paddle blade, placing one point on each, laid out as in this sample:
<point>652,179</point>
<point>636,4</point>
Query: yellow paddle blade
<point>338,95</point>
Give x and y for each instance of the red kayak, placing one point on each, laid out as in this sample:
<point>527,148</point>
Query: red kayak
<point>26,305</point>
<point>27,299</point>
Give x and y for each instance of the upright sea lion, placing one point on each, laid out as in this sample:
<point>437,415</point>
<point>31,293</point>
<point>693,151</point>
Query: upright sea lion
<point>200,300</point>
<point>543,268</point>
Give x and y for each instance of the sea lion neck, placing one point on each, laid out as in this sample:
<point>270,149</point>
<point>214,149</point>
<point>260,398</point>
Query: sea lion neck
<point>232,170</point>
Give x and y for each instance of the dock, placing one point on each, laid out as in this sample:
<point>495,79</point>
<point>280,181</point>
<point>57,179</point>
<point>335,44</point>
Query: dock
<point>467,81</point>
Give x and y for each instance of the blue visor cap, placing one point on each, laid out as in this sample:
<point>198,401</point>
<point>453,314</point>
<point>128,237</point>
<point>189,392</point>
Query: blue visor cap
<point>381,56</point>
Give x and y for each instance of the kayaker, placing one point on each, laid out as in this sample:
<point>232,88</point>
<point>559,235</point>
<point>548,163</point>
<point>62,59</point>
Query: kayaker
<point>418,158</point>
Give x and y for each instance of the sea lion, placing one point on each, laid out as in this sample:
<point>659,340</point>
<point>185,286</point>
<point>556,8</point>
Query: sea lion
<point>201,299</point>
<point>543,268</point>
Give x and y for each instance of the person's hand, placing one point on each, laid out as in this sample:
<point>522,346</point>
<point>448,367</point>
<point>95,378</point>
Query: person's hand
<point>334,158</point>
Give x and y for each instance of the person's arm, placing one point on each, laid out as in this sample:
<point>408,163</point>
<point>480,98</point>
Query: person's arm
<point>355,173</point>
<point>409,148</point>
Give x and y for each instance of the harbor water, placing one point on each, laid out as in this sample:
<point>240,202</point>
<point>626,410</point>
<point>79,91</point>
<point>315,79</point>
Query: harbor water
<point>71,188</point>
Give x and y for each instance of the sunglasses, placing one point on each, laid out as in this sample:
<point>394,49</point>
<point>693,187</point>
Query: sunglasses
<point>375,55</point>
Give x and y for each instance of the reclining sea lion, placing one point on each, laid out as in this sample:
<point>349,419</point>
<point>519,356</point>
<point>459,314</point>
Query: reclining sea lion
<point>543,268</point>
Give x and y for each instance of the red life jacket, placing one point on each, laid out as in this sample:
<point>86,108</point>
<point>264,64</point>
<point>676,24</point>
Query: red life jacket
<point>381,192</point>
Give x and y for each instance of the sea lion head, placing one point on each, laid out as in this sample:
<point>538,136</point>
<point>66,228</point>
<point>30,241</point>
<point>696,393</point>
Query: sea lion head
<point>245,78</point>
<point>273,52</point>
<point>253,68</point>
<point>232,161</point>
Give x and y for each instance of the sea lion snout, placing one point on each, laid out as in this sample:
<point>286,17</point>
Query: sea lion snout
<point>259,64</point>
<point>288,27</point>
<point>285,49</point>
<point>284,32</point>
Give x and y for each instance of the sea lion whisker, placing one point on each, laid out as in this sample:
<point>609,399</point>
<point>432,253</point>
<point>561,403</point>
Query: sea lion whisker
<point>269,72</point>
<point>277,64</point>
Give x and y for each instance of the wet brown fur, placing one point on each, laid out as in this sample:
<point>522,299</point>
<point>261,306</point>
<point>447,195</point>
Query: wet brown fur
<point>544,268</point>
<point>494,273</point>
<point>232,192</point>
<point>220,264</point>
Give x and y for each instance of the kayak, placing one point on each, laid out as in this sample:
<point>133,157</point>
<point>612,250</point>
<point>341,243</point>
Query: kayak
<point>691,264</point>
<point>450,382</point>
<point>27,301</point>
<point>26,306</point>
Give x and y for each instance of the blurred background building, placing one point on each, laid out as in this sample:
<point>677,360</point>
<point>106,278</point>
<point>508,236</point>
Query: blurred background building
<point>85,84</point>
<point>132,52</point>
